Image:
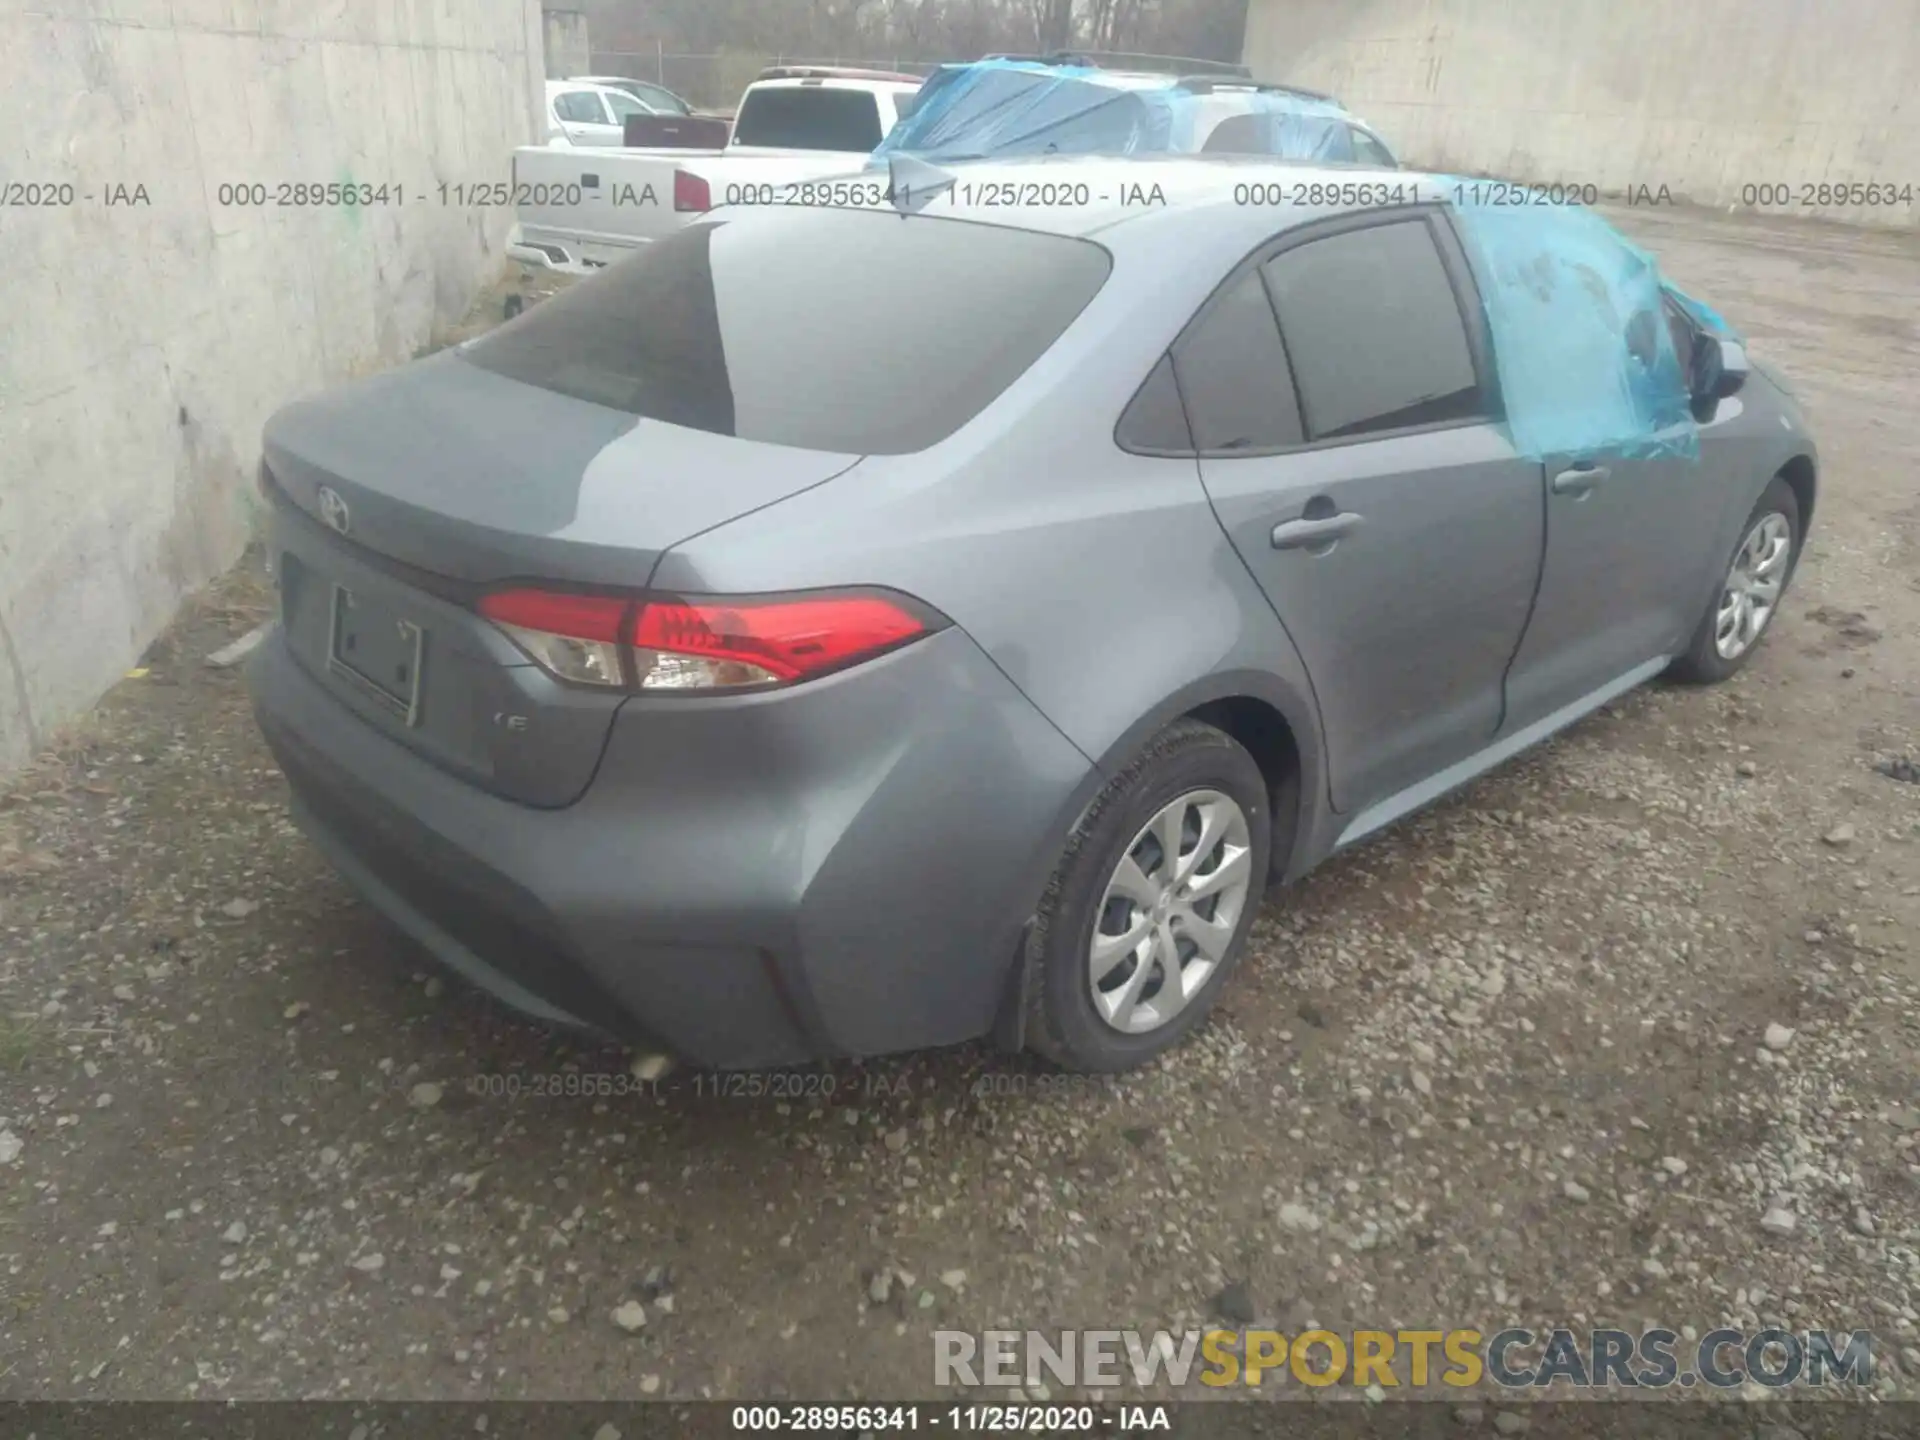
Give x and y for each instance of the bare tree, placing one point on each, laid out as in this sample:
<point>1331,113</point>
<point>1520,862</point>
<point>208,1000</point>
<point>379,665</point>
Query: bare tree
<point>1056,25</point>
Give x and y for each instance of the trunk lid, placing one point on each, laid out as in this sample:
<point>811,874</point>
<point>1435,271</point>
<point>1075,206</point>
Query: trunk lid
<point>401,498</point>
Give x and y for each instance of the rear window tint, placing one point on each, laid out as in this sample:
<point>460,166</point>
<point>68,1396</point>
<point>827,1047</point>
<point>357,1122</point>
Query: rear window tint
<point>1233,373</point>
<point>808,117</point>
<point>1374,331</point>
<point>1241,135</point>
<point>853,331</point>
<point>1156,422</point>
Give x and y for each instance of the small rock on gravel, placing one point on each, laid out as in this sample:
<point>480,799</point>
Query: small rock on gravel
<point>1235,1304</point>
<point>236,1233</point>
<point>1508,1423</point>
<point>1576,1192</point>
<point>880,1287</point>
<point>1840,835</point>
<point>1673,1165</point>
<point>238,909</point>
<point>953,1279</point>
<point>10,1147</point>
<point>425,1095</point>
<point>1778,1221</point>
<point>631,1317</point>
<point>1863,1222</point>
<point>369,1264</point>
<point>1297,1217</point>
<point>649,1384</point>
<point>606,1432</point>
<point>1778,1036</point>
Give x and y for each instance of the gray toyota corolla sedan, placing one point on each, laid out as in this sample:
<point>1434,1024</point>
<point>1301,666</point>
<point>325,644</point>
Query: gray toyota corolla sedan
<point>844,630</point>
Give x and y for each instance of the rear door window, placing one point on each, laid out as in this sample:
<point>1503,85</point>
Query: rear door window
<point>1234,376</point>
<point>624,105</point>
<point>1156,422</point>
<point>1374,332</point>
<point>1369,151</point>
<point>664,101</point>
<point>1241,135</point>
<point>846,330</point>
<point>808,117</point>
<point>580,107</point>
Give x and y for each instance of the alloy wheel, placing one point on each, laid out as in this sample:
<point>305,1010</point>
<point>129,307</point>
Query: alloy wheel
<point>1753,585</point>
<point>1169,911</point>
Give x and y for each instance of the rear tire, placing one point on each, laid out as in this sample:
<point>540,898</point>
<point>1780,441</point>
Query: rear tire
<point>1169,929</point>
<point>1759,570</point>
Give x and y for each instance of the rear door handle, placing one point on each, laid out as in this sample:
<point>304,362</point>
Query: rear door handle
<point>1305,534</point>
<point>1580,480</point>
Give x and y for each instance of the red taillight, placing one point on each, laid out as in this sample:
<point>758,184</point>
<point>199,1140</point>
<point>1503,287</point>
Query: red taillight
<point>580,617</point>
<point>703,644</point>
<point>691,192</point>
<point>576,637</point>
<point>709,643</point>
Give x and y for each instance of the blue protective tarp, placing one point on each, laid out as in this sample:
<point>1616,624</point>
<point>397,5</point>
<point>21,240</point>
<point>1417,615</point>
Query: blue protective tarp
<point>1702,314</point>
<point>1584,352</point>
<point>1023,107</point>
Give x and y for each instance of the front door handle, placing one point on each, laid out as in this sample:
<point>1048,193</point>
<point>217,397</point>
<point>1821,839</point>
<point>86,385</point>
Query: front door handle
<point>1580,480</point>
<point>1309,534</point>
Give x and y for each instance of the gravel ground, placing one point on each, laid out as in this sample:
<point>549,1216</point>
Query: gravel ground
<point>1626,1034</point>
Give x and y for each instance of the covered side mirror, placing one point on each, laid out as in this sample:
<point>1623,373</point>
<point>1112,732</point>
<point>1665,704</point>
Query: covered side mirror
<point>1719,367</point>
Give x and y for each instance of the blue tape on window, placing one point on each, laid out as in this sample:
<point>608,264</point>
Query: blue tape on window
<point>999,108</point>
<point>1584,352</point>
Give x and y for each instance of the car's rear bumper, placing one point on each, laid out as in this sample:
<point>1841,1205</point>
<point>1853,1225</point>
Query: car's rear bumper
<point>840,870</point>
<point>567,252</point>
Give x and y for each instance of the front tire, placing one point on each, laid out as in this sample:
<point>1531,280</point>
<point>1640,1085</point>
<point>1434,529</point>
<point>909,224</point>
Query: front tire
<point>1750,592</point>
<point>1149,910</point>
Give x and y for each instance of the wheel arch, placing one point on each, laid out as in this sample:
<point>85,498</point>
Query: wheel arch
<point>1802,477</point>
<point>1278,727</point>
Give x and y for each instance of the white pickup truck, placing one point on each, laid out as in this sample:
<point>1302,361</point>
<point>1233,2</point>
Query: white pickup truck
<point>579,210</point>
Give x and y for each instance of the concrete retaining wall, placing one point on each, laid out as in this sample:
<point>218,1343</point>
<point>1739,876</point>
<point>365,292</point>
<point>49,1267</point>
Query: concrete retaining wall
<point>569,52</point>
<point>1708,97</point>
<point>150,320</point>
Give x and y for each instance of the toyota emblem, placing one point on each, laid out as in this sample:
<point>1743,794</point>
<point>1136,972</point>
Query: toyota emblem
<point>334,510</point>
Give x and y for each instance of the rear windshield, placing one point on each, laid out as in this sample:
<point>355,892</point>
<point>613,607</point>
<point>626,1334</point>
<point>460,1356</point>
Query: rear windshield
<point>808,117</point>
<point>862,332</point>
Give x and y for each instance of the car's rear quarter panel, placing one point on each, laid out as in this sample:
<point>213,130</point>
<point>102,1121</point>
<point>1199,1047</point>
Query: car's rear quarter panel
<point>1100,582</point>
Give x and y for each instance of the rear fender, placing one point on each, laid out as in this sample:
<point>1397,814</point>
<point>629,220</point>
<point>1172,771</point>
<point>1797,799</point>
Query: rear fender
<point>1301,799</point>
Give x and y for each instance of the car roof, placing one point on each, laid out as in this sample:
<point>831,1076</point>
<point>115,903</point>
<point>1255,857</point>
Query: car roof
<point>835,72</point>
<point>1236,82</point>
<point>582,83</point>
<point>826,81</point>
<point>1203,187</point>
